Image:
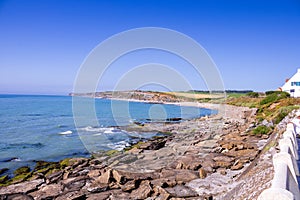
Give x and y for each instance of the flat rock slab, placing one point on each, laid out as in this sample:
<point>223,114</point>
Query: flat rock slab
<point>210,144</point>
<point>215,184</point>
<point>181,191</point>
<point>99,196</point>
<point>16,197</point>
<point>49,191</point>
<point>24,187</point>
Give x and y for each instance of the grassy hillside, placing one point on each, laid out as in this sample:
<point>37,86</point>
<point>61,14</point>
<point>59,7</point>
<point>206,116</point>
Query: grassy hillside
<point>273,106</point>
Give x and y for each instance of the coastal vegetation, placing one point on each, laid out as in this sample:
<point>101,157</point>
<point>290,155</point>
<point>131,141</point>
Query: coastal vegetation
<point>253,94</point>
<point>42,168</point>
<point>272,106</point>
<point>269,104</point>
<point>262,130</point>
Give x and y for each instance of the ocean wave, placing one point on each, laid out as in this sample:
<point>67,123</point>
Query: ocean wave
<point>62,126</point>
<point>110,130</point>
<point>99,130</point>
<point>13,159</point>
<point>16,160</point>
<point>21,145</point>
<point>32,115</point>
<point>89,129</point>
<point>119,145</point>
<point>65,133</point>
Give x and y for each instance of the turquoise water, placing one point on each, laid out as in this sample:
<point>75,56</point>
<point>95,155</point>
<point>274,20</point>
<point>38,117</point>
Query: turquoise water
<point>42,127</point>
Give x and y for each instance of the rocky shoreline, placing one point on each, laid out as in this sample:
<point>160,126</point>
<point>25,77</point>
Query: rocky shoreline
<point>205,158</point>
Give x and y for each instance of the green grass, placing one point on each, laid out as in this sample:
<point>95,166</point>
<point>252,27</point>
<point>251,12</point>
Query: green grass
<point>65,163</point>
<point>253,94</point>
<point>235,95</point>
<point>274,106</point>
<point>272,143</point>
<point>282,112</point>
<point>112,152</point>
<point>273,97</point>
<point>3,179</point>
<point>262,130</point>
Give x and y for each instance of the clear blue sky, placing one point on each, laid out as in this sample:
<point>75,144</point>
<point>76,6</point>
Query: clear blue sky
<point>254,43</point>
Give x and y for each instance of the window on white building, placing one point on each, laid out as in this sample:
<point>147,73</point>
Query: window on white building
<point>295,83</point>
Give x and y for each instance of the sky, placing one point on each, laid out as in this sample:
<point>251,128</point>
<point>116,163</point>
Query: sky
<point>255,44</point>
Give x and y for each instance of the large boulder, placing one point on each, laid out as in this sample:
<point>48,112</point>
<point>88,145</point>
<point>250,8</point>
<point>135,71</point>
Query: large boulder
<point>143,191</point>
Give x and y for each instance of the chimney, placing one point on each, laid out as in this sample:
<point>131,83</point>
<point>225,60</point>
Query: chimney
<point>286,80</point>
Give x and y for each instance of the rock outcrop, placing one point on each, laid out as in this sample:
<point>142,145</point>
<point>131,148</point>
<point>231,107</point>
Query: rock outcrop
<point>197,159</point>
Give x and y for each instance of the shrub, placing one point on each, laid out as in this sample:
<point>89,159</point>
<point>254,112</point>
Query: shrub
<point>270,92</point>
<point>282,112</point>
<point>252,94</point>
<point>278,92</point>
<point>274,96</point>
<point>261,130</point>
<point>269,99</point>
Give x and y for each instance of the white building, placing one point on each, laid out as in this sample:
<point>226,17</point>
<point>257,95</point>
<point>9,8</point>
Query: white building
<point>292,85</point>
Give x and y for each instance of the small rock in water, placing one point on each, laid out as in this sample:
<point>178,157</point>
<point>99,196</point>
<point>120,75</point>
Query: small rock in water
<point>175,119</point>
<point>3,179</point>
<point>3,170</point>
<point>22,170</point>
<point>44,164</point>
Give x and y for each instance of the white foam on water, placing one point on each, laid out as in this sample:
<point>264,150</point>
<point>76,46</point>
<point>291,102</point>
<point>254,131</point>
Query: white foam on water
<point>88,128</point>
<point>97,134</point>
<point>16,160</point>
<point>65,133</point>
<point>119,145</point>
<point>98,129</point>
<point>101,130</point>
<point>109,130</point>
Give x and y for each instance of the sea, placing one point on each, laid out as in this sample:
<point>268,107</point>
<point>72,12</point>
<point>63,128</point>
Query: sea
<point>41,127</point>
